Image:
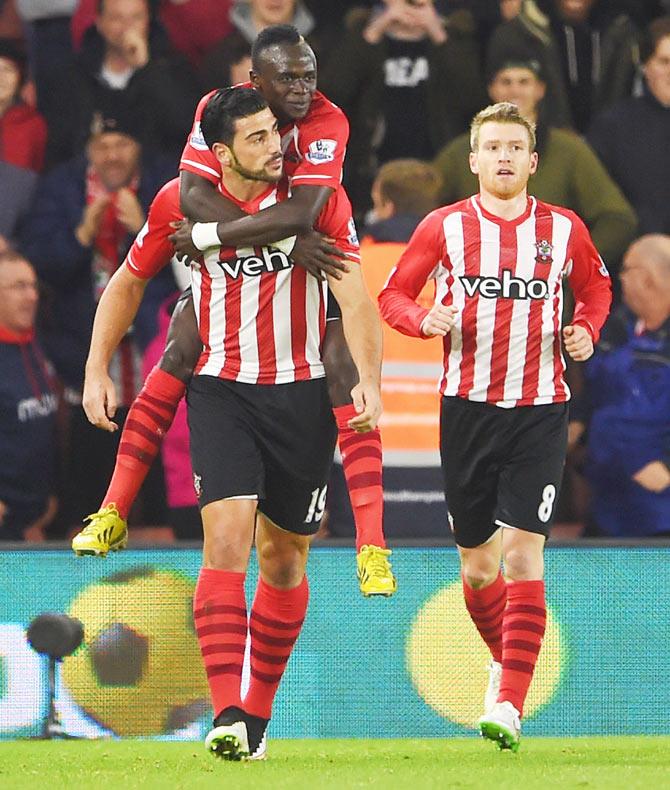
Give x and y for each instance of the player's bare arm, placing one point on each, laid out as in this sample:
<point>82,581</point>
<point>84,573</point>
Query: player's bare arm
<point>116,312</point>
<point>363,333</point>
<point>200,201</point>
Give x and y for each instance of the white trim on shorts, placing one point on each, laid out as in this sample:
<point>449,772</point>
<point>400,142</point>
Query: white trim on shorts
<point>508,526</point>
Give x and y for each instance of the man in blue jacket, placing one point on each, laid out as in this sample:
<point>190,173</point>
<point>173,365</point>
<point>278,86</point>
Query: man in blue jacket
<point>27,408</point>
<point>625,405</point>
<point>85,216</point>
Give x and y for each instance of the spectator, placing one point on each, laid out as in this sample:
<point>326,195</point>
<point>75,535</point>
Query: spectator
<point>568,174</point>
<point>626,402</point>
<point>28,406</point>
<point>16,195</point>
<point>408,79</point>
<point>193,26</point>
<point>249,17</point>
<point>47,26</point>
<point>84,219</point>
<point>632,137</point>
<point>588,50</point>
<point>125,67</point>
<point>23,131</point>
<point>229,65</point>
<point>403,192</point>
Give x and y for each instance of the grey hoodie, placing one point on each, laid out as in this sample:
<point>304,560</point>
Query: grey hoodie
<point>240,16</point>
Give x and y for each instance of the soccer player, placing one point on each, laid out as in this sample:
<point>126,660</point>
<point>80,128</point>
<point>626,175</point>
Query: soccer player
<point>262,429</point>
<point>314,136</point>
<point>498,260</point>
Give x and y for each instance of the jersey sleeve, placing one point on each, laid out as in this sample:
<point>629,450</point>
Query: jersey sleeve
<point>589,280</point>
<point>336,221</point>
<point>417,265</point>
<point>152,250</point>
<point>196,156</point>
<point>322,142</point>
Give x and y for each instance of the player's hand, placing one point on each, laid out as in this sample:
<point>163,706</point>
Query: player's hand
<point>578,342</point>
<point>129,210</point>
<point>439,320</point>
<point>318,255</point>
<point>655,477</point>
<point>99,400</point>
<point>90,220</point>
<point>135,45</point>
<point>368,404</point>
<point>185,249</point>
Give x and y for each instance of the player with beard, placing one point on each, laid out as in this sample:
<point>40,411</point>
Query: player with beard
<point>314,137</point>
<point>262,431</point>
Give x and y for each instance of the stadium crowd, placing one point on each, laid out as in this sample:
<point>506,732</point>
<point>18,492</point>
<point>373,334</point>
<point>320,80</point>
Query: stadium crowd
<point>96,101</point>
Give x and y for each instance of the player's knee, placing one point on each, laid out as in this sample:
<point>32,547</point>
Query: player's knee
<point>523,564</point>
<point>223,554</point>
<point>480,576</point>
<point>283,565</point>
<point>179,360</point>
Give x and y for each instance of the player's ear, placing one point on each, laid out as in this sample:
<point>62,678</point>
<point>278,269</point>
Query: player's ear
<point>533,162</point>
<point>473,163</point>
<point>222,153</point>
<point>254,79</point>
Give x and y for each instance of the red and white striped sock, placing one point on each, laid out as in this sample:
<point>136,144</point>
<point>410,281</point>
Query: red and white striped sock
<point>486,607</point>
<point>220,615</point>
<point>149,418</point>
<point>362,466</point>
<point>276,619</point>
<point>524,623</point>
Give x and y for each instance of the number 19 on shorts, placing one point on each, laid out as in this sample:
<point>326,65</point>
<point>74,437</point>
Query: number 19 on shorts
<point>317,505</point>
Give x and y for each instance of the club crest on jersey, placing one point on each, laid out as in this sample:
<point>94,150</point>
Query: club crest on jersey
<point>544,250</point>
<point>321,151</point>
<point>270,260</point>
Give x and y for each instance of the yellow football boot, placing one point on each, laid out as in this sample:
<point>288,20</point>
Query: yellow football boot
<point>106,531</point>
<point>375,576</point>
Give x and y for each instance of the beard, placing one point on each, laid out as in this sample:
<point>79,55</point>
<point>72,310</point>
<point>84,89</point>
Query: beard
<point>253,175</point>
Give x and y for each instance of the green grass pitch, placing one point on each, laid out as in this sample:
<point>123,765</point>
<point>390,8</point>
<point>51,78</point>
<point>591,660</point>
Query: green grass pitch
<point>639,762</point>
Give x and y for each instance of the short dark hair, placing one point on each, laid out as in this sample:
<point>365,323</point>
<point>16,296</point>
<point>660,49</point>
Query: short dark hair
<point>224,108</point>
<point>270,37</point>
<point>657,30</point>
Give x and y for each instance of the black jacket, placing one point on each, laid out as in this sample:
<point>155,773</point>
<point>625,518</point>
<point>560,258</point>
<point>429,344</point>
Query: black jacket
<point>160,99</point>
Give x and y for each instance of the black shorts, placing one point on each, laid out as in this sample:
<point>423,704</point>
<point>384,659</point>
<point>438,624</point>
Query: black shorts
<point>501,467</point>
<point>273,442</point>
<point>333,310</point>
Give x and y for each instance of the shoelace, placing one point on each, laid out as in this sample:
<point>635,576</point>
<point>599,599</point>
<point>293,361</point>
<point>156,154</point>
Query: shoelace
<point>91,528</point>
<point>378,564</point>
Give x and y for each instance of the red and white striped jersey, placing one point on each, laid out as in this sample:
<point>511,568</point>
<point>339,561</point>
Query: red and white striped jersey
<point>261,319</point>
<point>313,146</point>
<point>506,279</point>
<point>152,250</point>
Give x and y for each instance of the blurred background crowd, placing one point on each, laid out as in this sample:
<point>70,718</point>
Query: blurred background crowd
<point>96,100</point>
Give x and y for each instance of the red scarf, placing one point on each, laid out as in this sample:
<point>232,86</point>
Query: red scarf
<point>108,250</point>
<point>108,255</point>
<point>16,338</point>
